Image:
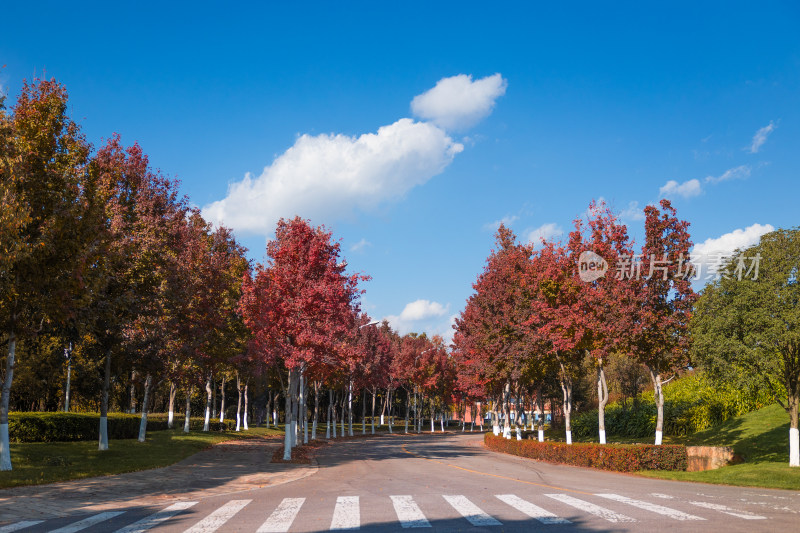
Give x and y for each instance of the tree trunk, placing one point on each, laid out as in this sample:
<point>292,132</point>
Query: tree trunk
<point>5,397</point>
<point>566,389</point>
<point>246,403</point>
<point>519,417</point>
<point>302,408</point>
<point>495,418</point>
<point>659,397</point>
<point>602,400</point>
<point>269,406</point>
<point>389,405</point>
<point>794,435</point>
<point>408,409</point>
<point>133,393</point>
<point>173,391</point>
<point>188,413</point>
<point>344,414</point>
<point>206,425</point>
<point>214,401</point>
<point>69,376</point>
<point>238,401</point>
<point>374,393</point>
<point>102,444</point>
<point>148,382</point>
<point>364,412</point>
<point>540,399</point>
<point>330,414</point>
<point>287,433</point>
<point>316,411</point>
<point>507,411</point>
<point>222,401</point>
<point>350,407</point>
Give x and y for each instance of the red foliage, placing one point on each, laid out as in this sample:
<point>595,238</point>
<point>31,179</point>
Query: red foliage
<point>617,457</point>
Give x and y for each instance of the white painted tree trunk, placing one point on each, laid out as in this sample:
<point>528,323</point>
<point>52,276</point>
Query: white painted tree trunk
<point>289,429</point>
<point>441,422</point>
<point>238,401</point>
<point>5,397</point>
<point>188,412</point>
<point>330,415</point>
<point>364,413</point>
<point>102,444</point>
<point>305,411</point>
<point>244,414</point>
<point>566,389</point>
<point>148,382</point>
<point>68,354</point>
<point>602,400</point>
<point>173,392</point>
<point>658,392</point>
<point>350,407</point>
<point>206,423</point>
<point>222,401</point>
<point>794,447</point>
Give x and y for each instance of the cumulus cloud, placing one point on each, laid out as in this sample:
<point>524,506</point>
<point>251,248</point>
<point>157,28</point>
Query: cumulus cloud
<point>458,103</point>
<point>423,316</point>
<point>739,172</point>
<point>687,189</point>
<point>737,239</point>
<point>708,255</point>
<point>545,231</point>
<point>327,176</point>
<point>761,137</point>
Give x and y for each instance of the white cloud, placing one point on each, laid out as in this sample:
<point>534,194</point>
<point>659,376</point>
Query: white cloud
<point>423,316</point>
<point>457,103</point>
<point>708,255</point>
<point>506,221</point>
<point>687,189</point>
<point>325,177</point>
<point>360,245</point>
<point>729,242</point>
<point>633,212</point>
<point>739,172</point>
<point>545,231</point>
<point>761,137</point>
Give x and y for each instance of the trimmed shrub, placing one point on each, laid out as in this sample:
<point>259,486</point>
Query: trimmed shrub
<point>62,427</point>
<point>617,457</point>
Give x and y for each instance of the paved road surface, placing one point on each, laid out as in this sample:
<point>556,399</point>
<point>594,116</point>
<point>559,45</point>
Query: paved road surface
<point>447,483</point>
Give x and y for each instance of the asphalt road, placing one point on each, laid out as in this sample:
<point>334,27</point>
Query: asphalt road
<point>450,483</point>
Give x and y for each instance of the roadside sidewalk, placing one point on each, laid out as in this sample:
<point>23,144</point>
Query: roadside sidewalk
<point>232,466</point>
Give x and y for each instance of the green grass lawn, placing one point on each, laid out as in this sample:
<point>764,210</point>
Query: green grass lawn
<point>761,437</point>
<point>48,462</point>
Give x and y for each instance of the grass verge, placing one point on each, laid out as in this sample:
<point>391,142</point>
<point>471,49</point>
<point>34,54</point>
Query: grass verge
<point>48,462</point>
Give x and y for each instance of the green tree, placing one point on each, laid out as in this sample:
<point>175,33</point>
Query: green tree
<point>43,161</point>
<point>746,325</point>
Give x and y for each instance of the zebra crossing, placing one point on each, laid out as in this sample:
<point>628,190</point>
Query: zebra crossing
<point>544,509</point>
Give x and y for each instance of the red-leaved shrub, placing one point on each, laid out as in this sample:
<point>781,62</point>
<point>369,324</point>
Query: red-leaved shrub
<point>618,457</point>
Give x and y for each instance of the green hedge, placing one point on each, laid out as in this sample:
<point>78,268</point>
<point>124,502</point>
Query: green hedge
<point>617,457</point>
<point>61,427</point>
<point>691,404</point>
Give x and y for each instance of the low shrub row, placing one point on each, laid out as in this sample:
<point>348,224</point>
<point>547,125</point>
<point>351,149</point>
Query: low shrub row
<point>617,457</point>
<point>63,427</point>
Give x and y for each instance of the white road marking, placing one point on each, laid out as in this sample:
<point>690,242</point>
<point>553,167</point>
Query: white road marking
<point>154,519</point>
<point>408,512</point>
<point>662,496</point>
<point>596,510</point>
<point>87,522</point>
<point>347,514</point>
<point>19,525</point>
<point>215,520</point>
<point>652,507</point>
<point>727,510</point>
<point>534,511</point>
<point>281,518</point>
<point>470,511</point>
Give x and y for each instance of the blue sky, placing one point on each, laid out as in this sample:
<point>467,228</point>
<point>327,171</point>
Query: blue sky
<point>538,109</point>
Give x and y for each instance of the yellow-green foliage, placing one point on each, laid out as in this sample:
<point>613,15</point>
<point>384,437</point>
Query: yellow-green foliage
<point>692,403</point>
